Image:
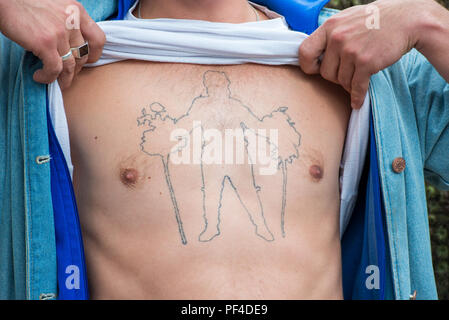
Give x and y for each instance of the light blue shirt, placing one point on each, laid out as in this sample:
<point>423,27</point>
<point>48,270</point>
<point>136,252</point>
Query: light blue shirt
<point>410,108</point>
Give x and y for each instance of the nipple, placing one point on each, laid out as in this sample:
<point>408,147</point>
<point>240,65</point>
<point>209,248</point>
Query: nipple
<point>316,172</point>
<point>129,176</point>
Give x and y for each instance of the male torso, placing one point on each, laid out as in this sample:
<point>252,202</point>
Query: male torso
<point>207,229</point>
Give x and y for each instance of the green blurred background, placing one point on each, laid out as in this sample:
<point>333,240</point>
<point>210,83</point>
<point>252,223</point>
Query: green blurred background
<point>438,201</point>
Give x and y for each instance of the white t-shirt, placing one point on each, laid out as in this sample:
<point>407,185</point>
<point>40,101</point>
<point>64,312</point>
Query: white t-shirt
<point>203,42</point>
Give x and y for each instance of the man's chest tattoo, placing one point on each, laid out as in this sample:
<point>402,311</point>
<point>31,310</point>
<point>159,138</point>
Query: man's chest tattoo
<point>222,135</point>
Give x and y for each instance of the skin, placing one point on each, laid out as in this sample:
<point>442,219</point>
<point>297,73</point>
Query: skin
<point>40,27</point>
<point>351,52</point>
<point>233,11</point>
<point>133,243</point>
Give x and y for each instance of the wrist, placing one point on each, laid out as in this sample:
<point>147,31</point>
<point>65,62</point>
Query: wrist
<point>432,27</point>
<point>4,5</point>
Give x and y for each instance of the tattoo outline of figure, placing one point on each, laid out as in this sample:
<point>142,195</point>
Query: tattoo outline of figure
<point>217,86</point>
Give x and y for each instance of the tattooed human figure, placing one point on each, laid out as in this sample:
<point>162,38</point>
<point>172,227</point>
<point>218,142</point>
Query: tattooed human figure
<point>216,111</point>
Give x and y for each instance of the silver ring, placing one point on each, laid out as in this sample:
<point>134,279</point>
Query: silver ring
<point>67,56</point>
<point>81,51</point>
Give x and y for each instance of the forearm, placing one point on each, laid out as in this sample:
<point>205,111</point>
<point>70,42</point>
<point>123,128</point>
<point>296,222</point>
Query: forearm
<point>3,3</point>
<point>433,38</point>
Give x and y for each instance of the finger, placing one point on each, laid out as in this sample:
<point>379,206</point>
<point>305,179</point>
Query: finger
<point>311,50</point>
<point>52,66</point>
<point>66,76</point>
<point>76,40</point>
<point>346,73</point>
<point>47,51</point>
<point>93,34</point>
<point>359,87</point>
<point>331,61</point>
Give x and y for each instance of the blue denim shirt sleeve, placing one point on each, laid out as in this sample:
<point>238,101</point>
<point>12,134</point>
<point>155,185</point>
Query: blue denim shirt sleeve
<point>430,95</point>
<point>27,244</point>
<point>12,217</point>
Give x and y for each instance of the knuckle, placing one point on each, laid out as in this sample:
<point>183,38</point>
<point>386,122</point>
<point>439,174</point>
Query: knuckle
<point>302,53</point>
<point>89,24</point>
<point>38,47</point>
<point>60,33</point>
<point>373,67</point>
<point>338,37</point>
<point>363,59</point>
<point>306,68</point>
<point>93,48</point>
<point>305,52</point>
<point>52,36</point>
<point>349,51</point>
<point>58,68</point>
<point>46,39</point>
<point>332,22</point>
<point>100,39</point>
<point>70,65</point>
<point>98,42</point>
<point>55,70</point>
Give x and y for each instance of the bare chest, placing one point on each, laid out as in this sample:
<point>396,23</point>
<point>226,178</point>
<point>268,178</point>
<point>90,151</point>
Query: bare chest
<point>143,131</point>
